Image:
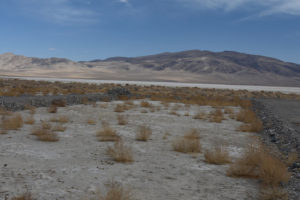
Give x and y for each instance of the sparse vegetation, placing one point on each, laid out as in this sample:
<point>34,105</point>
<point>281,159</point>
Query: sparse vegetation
<point>29,120</point>
<point>252,123</point>
<point>107,134</point>
<point>189,143</point>
<point>145,104</point>
<point>45,134</point>
<point>60,119</point>
<point>218,155</point>
<point>143,133</point>
<point>120,153</point>
<point>122,120</point>
<point>12,122</point>
<point>91,121</point>
<point>116,191</point>
<point>25,196</point>
<point>52,109</point>
<point>59,128</point>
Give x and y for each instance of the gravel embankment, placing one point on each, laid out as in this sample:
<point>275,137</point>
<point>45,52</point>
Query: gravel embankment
<point>279,130</point>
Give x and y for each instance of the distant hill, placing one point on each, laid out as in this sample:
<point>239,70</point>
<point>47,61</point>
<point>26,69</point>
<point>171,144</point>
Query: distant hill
<point>226,67</point>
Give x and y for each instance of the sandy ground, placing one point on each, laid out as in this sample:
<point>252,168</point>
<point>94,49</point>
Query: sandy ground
<point>77,165</point>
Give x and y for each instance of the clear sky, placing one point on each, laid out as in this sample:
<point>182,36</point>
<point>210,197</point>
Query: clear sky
<point>97,29</point>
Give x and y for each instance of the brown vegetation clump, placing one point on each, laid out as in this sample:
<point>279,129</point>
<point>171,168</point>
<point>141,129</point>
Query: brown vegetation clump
<point>216,116</point>
<point>121,108</point>
<point>291,158</point>
<point>116,192</point>
<point>218,156</point>
<point>12,123</point>
<point>25,196</point>
<point>122,120</point>
<point>258,162</point>
<point>252,123</point>
<point>200,115</point>
<point>31,109</point>
<point>59,128</point>
<point>29,120</point>
<point>52,109</point>
<point>44,134</point>
<point>91,122</point>
<point>143,133</point>
<point>107,134</point>
<point>58,102</point>
<point>272,193</point>
<point>189,143</point>
<point>120,153</point>
<point>145,104</point>
<point>60,119</point>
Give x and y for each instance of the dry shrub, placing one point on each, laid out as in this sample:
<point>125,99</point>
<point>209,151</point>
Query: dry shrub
<point>143,133</point>
<point>58,102</point>
<point>216,116</point>
<point>12,123</point>
<point>218,156</point>
<point>121,108</point>
<point>85,101</point>
<point>3,132</point>
<point>52,109</point>
<point>189,143</point>
<point>116,192</point>
<point>60,119</point>
<point>31,109</point>
<point>258,162</point>
<point>59,128</point>
<point>252,123</point>
<point>103,105</point>
<point>107,134</point>
<point>45,135</point>
<point>186,114</point>
<point>120,153</point>
<point>228,111</point>
<point>272,193</point>
<point>104,123</point>
<point>145,104</point>
<point>172,112</point>
<point>29,120</point>
<point>91,122</point>
<point>200,115</point>
<point>25,196</point>
<point>122,120</point>
<point>3,111</point>
<point>46,125</point>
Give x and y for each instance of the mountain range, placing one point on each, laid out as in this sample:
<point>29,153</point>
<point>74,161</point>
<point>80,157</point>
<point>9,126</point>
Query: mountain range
<point>195,66</point>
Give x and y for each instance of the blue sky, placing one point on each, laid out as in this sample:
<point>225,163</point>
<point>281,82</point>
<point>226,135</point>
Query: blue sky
<point>97,29</point>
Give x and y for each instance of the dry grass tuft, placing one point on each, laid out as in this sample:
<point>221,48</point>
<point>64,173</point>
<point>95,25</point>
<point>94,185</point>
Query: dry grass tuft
<point>58,103</point>
<point>29,120</point>
<point>44,134</point>
<point>122,120</point>
<point>218,156</point>
<point>31,109</point>
<point>272,193</point>
<point>46,125</point>
<point>25,196</point>
<point>252,123</point>
<point>59,128</point>
<point>200,115</point>
<point>12,123</point>
<point>121,108</point>
<point>145,104</point>
<point>143,133</point>
<point>52,109</point>
<point>258,162</point>
<point>60,119</point>
<point>120,153</point>
<point>116,192</point>
<point>189,143</point>
<point>91,122</point>
<point>216,116</point>
<point>107,134</point>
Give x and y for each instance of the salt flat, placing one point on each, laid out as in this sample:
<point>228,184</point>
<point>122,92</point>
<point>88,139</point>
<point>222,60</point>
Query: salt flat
<point>295,90</point>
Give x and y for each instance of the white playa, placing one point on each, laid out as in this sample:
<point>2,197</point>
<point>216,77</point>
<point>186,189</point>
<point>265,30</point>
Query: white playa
<point>295,90</point>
